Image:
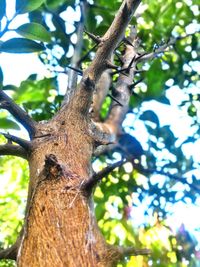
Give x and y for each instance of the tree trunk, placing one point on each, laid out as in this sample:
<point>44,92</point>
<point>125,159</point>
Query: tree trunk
<point>60,227</point>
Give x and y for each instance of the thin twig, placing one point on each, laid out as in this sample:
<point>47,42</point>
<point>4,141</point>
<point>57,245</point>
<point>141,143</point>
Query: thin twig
<point>143,170</point>
<point>95,38</point>
<point>72,75</point>
<point>161,49</point>
<point>122,89</point>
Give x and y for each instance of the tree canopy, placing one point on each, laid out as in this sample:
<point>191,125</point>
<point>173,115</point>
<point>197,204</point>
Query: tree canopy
<point>152,167</point>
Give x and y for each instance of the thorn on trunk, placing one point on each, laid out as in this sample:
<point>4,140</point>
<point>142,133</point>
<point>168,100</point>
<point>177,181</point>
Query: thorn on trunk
<point>140,56</point>
<point>140,71</point>
<point>86,55</point>
<point>126,40</point>
<point>130,64</point>
<point>115,99</point>
<point>110,65</point>
<point>119,71</point>
<point>95,38</point>
<point>135,83</point>
<point>75,69</point>
<point>93,181</point>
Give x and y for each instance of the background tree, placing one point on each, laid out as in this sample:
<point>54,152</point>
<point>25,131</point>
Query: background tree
<point>113,71</point>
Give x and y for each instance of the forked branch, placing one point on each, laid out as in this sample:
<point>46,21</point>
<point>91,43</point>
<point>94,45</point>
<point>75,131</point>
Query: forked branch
<point>106,47</point>
<point>112,38</point>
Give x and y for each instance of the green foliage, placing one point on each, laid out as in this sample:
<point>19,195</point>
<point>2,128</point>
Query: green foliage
<point>34,31</point>
<point>13,193</point>
<point>8,124</point>
<point>155,82</point>
<point>126,188</point>
<point>20,45</point>
<point>24,6</point>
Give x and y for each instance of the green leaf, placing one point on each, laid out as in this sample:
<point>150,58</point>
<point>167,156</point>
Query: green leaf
<point>155,82</point>
<point>54,4</point>
<point>24,6</point>
<point>21,45</point>
<point>10,87</point>
<point>8,124</point>
<point>34,31</point>
<point>2,8</point>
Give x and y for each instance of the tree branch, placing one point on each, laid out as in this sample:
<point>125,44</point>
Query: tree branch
<point>142,170</point>
<point>72,74</point>
<point>97,177</point>
<point>108,43</point>
<point>162,48</point>
<point>100,93</point>
<point>112,38</point>
<point>9,253</point>
<point>23,143</point>
<point>117,253</point>
<point>103,149</point>
<point>20,115</point>
<point>122,91</point>
<point>13,150</point>
<point>131,251</point>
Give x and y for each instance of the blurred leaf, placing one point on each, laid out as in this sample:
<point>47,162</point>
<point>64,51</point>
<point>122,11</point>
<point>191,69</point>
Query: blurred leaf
<point>8,124</point>
<point>54,4</point>
<point>2,8</point>
<point>21,45</point>
<point>155,83</point>
<point>34,91</point>
<point>24,6</point>
<point>34,31</point>
<point>149,115</point>
<point>10,87</point>
<point>1,77</point>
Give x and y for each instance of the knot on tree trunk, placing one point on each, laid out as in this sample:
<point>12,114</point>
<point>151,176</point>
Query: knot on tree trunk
<point>52,169</point>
